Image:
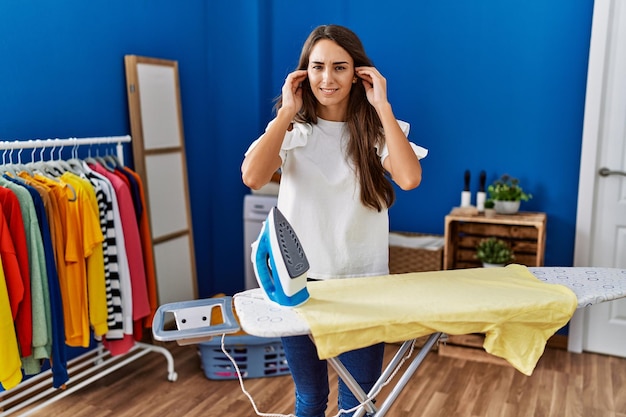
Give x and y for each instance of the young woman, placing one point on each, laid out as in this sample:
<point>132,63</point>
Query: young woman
<point>336,140</point>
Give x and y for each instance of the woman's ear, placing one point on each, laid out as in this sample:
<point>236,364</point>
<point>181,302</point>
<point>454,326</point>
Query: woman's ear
<point>354,80</point>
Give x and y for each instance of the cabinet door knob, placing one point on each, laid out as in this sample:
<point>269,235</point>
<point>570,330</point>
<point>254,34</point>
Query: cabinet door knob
<point>605,172</point>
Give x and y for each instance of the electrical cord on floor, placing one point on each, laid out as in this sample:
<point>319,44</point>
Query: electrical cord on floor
<point>243,389</point>
<point>353,409</point>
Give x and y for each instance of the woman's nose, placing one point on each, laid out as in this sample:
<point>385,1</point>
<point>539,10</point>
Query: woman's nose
<point>327,75</point>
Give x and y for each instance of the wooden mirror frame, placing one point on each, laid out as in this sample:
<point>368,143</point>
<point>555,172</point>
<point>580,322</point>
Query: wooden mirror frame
<point>159,158</point>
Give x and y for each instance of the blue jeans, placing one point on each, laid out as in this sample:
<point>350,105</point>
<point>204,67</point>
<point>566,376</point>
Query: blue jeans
<point>310,374</point>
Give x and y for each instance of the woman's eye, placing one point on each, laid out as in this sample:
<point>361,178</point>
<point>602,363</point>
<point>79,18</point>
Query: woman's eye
<point>340,68</point>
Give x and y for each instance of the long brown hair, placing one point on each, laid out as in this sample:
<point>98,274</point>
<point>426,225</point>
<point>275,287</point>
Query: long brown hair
<point>363,123</point>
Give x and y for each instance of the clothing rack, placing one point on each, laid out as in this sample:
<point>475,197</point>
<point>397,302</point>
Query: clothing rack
<point>60,143</point>
<point>97,362</point>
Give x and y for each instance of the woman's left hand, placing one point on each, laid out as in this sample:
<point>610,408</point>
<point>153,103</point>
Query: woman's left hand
<point>375,85</point>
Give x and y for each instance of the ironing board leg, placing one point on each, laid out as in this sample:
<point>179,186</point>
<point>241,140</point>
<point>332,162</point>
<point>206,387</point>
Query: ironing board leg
<point>406,376</point>
<point>354,386</point>
<point>389,369</point>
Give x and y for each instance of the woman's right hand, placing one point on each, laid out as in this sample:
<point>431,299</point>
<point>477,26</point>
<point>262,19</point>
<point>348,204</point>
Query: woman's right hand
<point>264,159</point>
<point>292,91</point>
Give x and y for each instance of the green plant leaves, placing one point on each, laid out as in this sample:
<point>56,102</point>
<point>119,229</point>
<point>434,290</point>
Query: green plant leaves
<point>494,251</point>
<point>507,188</point>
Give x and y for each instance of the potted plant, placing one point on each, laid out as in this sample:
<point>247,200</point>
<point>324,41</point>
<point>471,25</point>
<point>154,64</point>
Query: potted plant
<point>490,211</point>
<point>494,252</point>
<point>507,194</point>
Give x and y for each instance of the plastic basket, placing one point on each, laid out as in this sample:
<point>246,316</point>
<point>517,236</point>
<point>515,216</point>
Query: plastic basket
<point>256,357</point>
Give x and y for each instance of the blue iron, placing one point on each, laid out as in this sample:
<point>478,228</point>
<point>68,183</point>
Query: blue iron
<point>280,264</point>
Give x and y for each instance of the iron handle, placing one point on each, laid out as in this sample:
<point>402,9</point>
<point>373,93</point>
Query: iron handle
<point>605,172</point>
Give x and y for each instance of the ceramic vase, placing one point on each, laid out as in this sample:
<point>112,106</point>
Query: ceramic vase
<point>488,265</point>
<point>506,207</point>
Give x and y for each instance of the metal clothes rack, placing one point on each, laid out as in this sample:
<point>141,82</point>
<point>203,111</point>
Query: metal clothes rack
<point>60,143</point>
<point>94,364</point>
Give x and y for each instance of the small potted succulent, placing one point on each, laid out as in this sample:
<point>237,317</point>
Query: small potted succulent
<point>507,194</point>
<point>489,211</point>
<point>494,252</point>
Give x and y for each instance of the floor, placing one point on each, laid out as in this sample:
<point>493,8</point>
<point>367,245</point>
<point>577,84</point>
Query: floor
<point>562,385</point>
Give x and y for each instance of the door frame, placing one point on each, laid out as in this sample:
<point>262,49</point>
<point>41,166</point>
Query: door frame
<point>600,39</point>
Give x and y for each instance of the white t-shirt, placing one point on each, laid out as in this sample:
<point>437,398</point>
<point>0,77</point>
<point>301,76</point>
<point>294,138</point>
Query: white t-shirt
<point>320,197</point>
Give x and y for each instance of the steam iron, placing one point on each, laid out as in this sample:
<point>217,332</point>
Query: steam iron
<point>279,262</point>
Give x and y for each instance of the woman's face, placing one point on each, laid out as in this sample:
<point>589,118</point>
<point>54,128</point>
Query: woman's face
<point>331,75</point>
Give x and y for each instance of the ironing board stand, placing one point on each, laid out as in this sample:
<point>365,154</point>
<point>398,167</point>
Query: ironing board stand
<point>368,406</point>
<point>192,325</point>
<point>258,317</point>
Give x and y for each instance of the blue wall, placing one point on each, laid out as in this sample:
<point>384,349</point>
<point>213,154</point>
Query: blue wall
<point>486,84</point>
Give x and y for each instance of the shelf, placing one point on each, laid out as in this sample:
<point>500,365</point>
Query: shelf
<point>524,231</point>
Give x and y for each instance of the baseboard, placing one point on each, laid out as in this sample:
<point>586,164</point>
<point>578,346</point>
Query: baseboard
<point>470,347</point>
<point>558,341</point>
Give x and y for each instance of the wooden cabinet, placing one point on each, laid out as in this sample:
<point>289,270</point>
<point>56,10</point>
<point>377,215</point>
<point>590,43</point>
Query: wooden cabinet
<point>524,231</point>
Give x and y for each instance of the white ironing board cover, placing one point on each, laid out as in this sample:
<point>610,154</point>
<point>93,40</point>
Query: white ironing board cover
<point>591,285</point>
<point>264,318</point>
<point>260,317</point>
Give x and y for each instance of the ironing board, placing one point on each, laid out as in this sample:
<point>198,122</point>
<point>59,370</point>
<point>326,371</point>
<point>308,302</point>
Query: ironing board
<point>260,317</point>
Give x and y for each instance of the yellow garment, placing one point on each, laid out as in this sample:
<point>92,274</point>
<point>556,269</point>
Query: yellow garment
<point>79,256</point>
<point>10,365</point>
<point>85,257</point>
<point>516,312</point>
<point>93,252</point>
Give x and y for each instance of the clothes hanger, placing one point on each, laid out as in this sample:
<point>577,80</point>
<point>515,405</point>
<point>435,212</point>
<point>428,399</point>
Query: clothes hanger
<point>112,159</point>
<point>106,163</point>
<point>57,167</point>
<point>42,167</point>
<point>17,175</point>
<point>60,162</point>
<point>5,168</point>
<point>78,165</point>
<point>97,160</point>
<point>14,169</point>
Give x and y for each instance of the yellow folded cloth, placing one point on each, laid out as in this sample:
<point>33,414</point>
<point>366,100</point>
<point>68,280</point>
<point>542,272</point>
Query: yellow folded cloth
<point>516,312</point>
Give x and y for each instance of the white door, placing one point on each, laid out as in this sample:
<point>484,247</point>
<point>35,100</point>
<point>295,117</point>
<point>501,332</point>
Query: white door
<point>601,223</point>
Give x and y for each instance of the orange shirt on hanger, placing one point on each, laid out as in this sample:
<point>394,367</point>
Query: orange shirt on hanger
<point>91,238</point>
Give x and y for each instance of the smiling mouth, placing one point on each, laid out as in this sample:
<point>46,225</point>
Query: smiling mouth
<point>328,90</point>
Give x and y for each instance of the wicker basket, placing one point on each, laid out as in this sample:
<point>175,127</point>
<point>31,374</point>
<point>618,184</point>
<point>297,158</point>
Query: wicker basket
<point>403,260</point>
